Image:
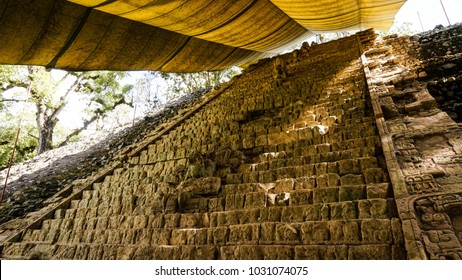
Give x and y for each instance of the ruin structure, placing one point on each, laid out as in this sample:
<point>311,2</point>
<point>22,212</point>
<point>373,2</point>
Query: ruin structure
<point>350,149</point>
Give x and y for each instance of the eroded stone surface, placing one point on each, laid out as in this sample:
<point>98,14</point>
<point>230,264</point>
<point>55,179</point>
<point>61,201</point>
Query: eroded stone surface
<point>416,86</point>
<point>320,154</point>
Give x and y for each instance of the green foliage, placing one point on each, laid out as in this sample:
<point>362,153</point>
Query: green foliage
<point>400,28</point>
<point>183,83</point>
<point>147,95</point>
<point>49,91</point>
<point>26,144</point>
<point>104,91</point>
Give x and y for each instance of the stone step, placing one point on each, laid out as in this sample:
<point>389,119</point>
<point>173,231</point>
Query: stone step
<point>61,230</point>
<point>340,187</point>
<point>355,177</point>
<point>204,252</point>
<point>351,232</point>
<point>242,196</point>
<point>361,159</point>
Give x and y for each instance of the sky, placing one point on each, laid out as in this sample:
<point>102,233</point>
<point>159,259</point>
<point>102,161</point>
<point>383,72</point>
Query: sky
<point>431,13</point>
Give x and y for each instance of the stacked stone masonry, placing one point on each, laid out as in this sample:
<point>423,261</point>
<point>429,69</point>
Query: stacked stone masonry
<point>415,86</point>
<point>335,151</point>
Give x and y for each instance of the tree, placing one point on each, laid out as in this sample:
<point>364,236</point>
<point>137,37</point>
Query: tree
<point>26,145</point>
<point>49,91</point>
<point>400,28</point>
<point>183,83</point>
<point>147,94</point>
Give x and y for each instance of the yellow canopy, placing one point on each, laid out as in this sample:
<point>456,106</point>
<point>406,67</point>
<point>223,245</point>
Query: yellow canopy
<point>172,35</point>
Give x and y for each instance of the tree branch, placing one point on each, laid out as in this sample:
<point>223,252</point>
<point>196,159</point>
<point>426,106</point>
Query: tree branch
<point>78,130</point>
<point>11,100</point>
<point>62,100</point>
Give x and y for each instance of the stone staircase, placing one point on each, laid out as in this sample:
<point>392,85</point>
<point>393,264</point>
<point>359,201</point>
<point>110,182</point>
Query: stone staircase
<point>298,172</point>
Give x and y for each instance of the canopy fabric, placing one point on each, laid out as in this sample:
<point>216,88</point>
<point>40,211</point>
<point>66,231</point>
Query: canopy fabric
<point>171,35</point>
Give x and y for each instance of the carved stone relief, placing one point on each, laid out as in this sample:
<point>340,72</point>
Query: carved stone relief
<point>440,219</point>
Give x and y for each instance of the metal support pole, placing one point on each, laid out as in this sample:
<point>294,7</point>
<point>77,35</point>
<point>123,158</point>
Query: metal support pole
<point>445,12</point>
<point>10,163</point>
<point>420,20</point>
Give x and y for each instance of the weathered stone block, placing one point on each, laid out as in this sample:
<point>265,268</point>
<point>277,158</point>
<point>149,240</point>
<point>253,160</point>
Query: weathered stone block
<point>368,162</point>
<point>398,236</point>
<point>193,220</point>
<point>228,218</point>
<point>300,197</point>
<point>278,252</point>
<point>250,252</point>
<point>244,234</point>
<point>293,214</point>
<point>369,252</point>
<point>217,235</point>
<point>321,252</point>
<point>364,209</point>
<point>143,236</point>
<point>140,222</point>
<point>229,252</point>
<point>320,168</point>
<point>376,231</point>
<point>379,208</point>
<point>351,179</point>
<point>377,191</point>
<point>161,236</point>
<point>313,212</point>
<point>375,175</point>
<point>307,252</point>
<point>325,195</point>
<point>156,221</point>
<point>205,253</point>
<point>95,252</point>
<point>314,232</point>
<point>327,180</point>
<point>287,233</point>
<point>305,133</point>
<point>261,140</point>
<point>267,233</point>
<point>284,186</point>
<point>234,202</point>
<point>351,232</point>
<point>234,178</point>
<point>284,173</point>
<point>271,214</point>
<point>351,193</point>
<point>202,186</point>
<point>249,216</point>
<point>248,143</point>
<point>171,220</point>
<point>255,200</point>
<point>305,183</point>
<point>216,204</point>
<point>336,233</point>
<point>267,176</point>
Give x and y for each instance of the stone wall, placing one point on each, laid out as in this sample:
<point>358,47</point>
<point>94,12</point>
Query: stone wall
<point>415,89</point>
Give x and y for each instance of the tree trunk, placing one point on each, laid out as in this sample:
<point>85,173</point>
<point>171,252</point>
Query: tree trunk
<point>45,126</point>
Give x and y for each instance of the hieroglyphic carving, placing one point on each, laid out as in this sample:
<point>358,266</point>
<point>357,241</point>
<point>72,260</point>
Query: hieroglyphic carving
<point>396,128</point>
<point>440,219</point>
<point>455,139</point>
<point>418,184</point>
<point>456,159</point>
